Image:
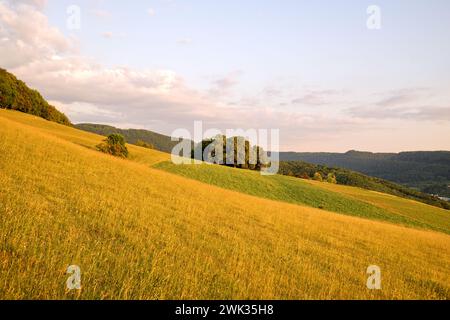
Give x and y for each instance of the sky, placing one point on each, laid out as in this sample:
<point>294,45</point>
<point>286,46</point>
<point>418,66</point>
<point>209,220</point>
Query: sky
<point>315,70</point>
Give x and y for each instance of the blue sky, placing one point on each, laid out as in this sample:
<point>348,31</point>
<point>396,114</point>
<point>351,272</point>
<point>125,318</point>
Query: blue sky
<point>310,68</point>
<point>268,40</point>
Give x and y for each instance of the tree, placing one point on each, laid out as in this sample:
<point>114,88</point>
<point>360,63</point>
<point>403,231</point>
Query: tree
<point>318,176</point>
<point>238,152</point>
<point>16,95</point>
<point>331,178</point>
<point>114,145</point>
<point>303,175</point>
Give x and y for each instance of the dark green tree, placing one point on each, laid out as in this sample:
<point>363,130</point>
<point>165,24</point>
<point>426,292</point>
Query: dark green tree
<point>114,145</point>
<point>15,95</point>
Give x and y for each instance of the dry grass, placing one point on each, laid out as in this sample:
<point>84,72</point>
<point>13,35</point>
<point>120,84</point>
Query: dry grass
<point>142,233</point>
<point>341,199</point>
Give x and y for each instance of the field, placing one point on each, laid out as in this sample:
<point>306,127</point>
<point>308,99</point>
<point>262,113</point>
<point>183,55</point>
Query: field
<point>141,232</point>
<point>341,199</point>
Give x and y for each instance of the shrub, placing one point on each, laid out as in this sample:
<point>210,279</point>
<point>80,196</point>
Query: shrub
<point>114,145</point>
<point>318,176</point>
<point>331,178</point>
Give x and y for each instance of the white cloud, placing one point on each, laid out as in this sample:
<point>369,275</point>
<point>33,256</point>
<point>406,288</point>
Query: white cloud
<point>29,36</point>
<point>151,12</point>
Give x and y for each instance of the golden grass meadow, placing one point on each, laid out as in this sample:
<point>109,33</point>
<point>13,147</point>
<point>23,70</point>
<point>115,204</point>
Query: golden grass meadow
<point>140,232</point>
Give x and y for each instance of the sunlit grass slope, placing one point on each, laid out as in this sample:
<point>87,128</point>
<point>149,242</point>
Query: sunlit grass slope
<point>142,233</point>
<point>82,138</point>
<point>347,200</point>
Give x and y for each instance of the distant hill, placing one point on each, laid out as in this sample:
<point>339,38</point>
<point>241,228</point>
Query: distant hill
<point>159,141</point>
<point>347,177</point>
<point>16,95</point>
<point>424,170</point>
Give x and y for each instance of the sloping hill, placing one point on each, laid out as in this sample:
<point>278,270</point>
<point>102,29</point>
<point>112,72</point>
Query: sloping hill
<point>293,168</point>
<point>142,233</point>
<point>351,178</point>
<point>15,95</point>
<point>341,199</point>
<point>425,170</point>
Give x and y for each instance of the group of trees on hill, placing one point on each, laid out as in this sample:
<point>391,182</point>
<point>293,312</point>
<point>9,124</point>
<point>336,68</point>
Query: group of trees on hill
<point>330,177</point>
<point>234,152</point>
<point>15,95</point>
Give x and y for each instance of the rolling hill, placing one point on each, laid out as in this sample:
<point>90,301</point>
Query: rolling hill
<point>347,177</point>
<point>426,171</point>
<point>299,168</point>
<point>145,229</point>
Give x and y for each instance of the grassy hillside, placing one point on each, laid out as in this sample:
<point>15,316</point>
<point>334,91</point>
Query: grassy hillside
<point>326,196</point>
<point>426,171</point>
<point>15,95</point>
<point>142,233</point>
<point>351,178</point>
<point>300,168</point>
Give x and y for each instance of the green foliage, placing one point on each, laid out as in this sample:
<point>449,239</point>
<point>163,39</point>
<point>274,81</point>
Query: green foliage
<point>158,141</point>
<point>442,189</point>
<point>114,145</point>
<point>237,152</point>
<point>317,176</point>
<point>15,95</point>
<point>331,178</point>
<point>144,144</point>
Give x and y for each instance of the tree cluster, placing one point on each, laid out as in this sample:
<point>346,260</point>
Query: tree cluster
<point>15,95</point>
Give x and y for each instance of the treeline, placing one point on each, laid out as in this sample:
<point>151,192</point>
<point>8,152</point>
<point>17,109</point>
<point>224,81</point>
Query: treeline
<point>234,152</point>
<point>15,95</point>
<point>428,171</point>
<point>140,137</point>
<point>305,170</point>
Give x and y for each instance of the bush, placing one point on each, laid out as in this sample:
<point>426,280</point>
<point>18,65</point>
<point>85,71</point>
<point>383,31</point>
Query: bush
<point>114,145</point>
<point>331,178</point>
<point>318,176</point>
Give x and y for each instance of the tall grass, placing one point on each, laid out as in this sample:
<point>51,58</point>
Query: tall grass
<point>142,233</point>
<point>341,199</point>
